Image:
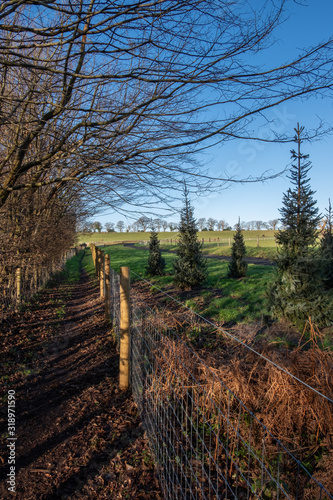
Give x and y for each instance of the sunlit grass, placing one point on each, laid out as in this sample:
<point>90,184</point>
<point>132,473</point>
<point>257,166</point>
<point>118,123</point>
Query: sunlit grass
<point>213,236</point>
<point>225,299</point>
<point>87,263</point>
<point>72,268</point>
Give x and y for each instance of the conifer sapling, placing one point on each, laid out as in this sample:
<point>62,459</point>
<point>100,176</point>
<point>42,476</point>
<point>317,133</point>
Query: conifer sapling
<point>326,250</point>
<point>156,263</point>
<point>237,267</point>
<point>297,291</point>
<point>190,268</point>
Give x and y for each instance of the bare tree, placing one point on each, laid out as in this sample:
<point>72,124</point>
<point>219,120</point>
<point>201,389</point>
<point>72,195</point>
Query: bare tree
<point>250,225</point>
<point>143,223</point>
<point>157,223</point>
<point>108,102</point>
<point>211,223</point>
<point>259,224</point>
<point>201,223</point>
<point>173,226</point>
<point>221,225</point>
<point>272,224</point>
<point>240,224</point>
<point>120,226</point>
<point>113,95</point>
<point>35,235</point>
<point>97,226</point>
<point>109,226</point>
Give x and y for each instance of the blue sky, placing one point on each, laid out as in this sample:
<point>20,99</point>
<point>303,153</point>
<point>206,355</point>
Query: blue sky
<point>307,25</point>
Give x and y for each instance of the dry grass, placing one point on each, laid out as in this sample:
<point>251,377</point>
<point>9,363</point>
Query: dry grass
<point>232,399</point>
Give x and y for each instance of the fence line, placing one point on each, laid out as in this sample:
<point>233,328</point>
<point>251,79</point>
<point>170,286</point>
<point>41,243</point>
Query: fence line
<point>209,241</point>
<point>206,442</point>
<point>212,242</point>
<point>19,284</point>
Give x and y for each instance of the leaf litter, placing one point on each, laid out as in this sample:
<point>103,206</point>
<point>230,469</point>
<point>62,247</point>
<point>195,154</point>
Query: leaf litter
<point>78,435</point>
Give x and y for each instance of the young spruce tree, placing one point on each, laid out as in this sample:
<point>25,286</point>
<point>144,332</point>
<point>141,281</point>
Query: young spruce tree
<point>190,268</point>
<point>237,267</point>
<point>297,291</point>
<point>326,250</point>
<point>156,263</point>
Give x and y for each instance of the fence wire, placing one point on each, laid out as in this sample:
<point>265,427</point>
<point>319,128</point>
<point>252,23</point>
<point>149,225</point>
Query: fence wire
<point>207,444</point>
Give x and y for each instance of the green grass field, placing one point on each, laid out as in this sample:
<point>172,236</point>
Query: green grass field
<point>215,242</point>
<point>119,237</point>
<point>222,299</point>
<point>250,236</point>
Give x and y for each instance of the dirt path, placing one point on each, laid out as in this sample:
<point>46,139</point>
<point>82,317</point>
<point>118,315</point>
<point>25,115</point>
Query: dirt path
<point>78,435</point>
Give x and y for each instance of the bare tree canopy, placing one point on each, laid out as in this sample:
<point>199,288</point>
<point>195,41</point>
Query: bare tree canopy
<point>117,95</point>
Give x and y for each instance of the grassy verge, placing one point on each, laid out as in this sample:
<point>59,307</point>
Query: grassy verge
<point>87,263</point>
<point>71,273</point>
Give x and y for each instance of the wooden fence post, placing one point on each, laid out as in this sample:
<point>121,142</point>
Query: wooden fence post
<point>101,274</point>
<point>124,358</point>
<point>93,253</point>
<point>258,240</point>
<point>229,241</point>
<point>18,284</point>
<point>97,262</point>
<point>107,287</point>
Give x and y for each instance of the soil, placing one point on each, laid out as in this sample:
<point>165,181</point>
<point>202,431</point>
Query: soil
<point>78,435</point>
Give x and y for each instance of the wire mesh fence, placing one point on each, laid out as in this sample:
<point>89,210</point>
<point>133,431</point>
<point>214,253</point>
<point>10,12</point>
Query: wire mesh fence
<point>206,441</point>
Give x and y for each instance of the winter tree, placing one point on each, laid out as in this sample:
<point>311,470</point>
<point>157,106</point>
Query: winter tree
<point>120,226</point>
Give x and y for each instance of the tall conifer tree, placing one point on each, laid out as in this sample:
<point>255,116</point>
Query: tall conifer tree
<point>156,263</point>
<point>237,267</point>
<point>326,250</point>
<point>190,268</point>
<point>297,291</point>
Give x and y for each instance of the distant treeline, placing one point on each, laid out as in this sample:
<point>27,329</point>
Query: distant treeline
<point>144,224</point>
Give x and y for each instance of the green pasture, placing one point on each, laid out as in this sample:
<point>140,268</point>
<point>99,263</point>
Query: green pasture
<point>213,236</point>
<point>111,238</point>
<point>214,242</point>
<point>264,252</point>
<point>221,299</point>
